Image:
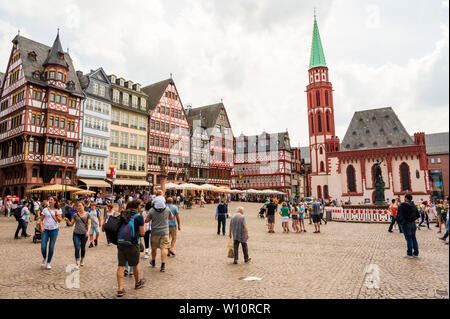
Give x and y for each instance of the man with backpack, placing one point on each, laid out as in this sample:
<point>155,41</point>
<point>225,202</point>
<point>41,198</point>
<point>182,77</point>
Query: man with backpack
<point>20,215</point>
<point>406,217</point>
<point>160,215</point>
<point>131,229</point>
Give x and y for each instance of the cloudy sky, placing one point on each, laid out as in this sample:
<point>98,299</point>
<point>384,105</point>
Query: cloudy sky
<point>254,54</point>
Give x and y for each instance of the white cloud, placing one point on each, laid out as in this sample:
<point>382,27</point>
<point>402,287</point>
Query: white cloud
<point>254,54</point>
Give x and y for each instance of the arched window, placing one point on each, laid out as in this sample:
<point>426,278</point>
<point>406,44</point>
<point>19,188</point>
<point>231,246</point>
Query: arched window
<point>317,98</point>
<point>326,98</point>
<point>321,150</point>
<point>351,179</point>
<point>405,177</point>
<point>322,167</point>
<point>319,192</point>
<point>373,175</point>
<point>325,192</point>
<point>319,122</point>
<point>312,124</point>
<point>310,100</point>
<point>328,122</point>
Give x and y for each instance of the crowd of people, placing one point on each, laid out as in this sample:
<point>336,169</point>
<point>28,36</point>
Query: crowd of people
<point>152,225</point>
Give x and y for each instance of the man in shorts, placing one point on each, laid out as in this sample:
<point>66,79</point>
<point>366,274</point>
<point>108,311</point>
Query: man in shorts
<point>130,253</point>
<point>174,225</point>
<point>271,209</point>
<point>316,215</point>
<point>96,220</point>
<point>160,216</point>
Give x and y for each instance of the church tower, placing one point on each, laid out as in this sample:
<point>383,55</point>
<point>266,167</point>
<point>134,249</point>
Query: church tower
<point>320,116</point>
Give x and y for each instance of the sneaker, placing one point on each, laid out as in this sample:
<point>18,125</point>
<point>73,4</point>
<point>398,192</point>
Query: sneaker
<point>390,231</point>
<point>414,256</point>
<point>409,257</point>
<point>130,274</point>
<point>163,269</point>
<point>153,263</point>
<point>442,238</point>
<point>305,230</point>
<point>235,262</point>
<point>16,237</point>
<point>43,264</point>
<point>146,256</point>
<point>120,293</point>
<point>96,242</point>
<point>248,260</point>
<point>446,243</point>
<point>125,273</point>
<point>82,263</point>
<point>48,267</point>
<point>140,284</point>
<point>91,245</point>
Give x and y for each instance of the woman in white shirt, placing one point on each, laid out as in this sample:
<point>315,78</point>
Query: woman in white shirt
<point>50,218</point>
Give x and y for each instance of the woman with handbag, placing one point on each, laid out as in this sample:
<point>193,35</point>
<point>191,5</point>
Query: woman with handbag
<point>82,221</point>
<point>51,216</point>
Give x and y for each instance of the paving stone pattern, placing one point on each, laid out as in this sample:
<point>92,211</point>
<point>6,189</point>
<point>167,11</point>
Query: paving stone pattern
<point>306,265</point>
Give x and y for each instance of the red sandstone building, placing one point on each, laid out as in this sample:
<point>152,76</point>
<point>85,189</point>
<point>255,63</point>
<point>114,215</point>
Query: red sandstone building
<point>345,172</point>
<point>168,134</point>
<point>39,118</point>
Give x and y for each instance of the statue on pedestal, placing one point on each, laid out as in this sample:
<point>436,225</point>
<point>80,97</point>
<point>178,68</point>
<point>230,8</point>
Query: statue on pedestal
<point>379,184</point>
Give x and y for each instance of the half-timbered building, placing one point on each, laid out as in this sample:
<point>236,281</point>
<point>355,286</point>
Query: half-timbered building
<point>95,130</point>
<point>128,136</point>
<point>212,145</point>
<point>263,162</point>
<point>168,134</point>
<point>40,110</point>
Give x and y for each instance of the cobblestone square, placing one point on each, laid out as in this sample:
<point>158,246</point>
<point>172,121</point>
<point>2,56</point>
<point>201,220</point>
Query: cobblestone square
<point>333,264</point>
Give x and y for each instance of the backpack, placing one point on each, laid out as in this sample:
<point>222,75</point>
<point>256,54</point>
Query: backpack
<point>18,213</point>
<point>112,228</point>
<point>126,232</point>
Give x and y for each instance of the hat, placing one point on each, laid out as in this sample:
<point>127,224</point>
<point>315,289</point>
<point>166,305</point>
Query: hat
<point>159,202</point>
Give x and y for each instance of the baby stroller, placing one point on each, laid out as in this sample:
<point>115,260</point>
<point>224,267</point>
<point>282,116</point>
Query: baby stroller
<point>37,233</point>
<point>262,212</point>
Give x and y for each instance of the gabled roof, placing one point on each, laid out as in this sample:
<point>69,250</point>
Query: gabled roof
<point>305,154</point>
<point>317,55</point>
<point>54,53</point>
<point>209,115</point>
<point>30,66</point>
<point>375,128</point>
<point>279,140</point>
<point>155,92</point>
<point>437,143</point>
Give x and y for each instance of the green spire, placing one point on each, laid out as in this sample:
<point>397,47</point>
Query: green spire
<point>317,56</point>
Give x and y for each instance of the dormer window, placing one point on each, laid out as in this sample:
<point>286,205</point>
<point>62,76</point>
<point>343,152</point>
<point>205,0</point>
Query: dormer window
<point>52,75</point>
<point>60,55</point>
<point>32,56</point>
<point>36,75</point>
<point>71,85</point>
<point>60,76</point>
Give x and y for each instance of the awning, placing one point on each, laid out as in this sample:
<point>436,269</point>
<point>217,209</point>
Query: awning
<point>130,182</point>
<point>95,183</point>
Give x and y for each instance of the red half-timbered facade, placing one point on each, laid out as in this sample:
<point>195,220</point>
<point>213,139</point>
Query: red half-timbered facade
<point>168,134</point>
<point>40,111</point>
<point>263,162</point>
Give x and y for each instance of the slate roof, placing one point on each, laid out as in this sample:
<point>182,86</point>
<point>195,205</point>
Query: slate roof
<point>2,75</point>
<point>375,128</point>
<point>281,139</point>
<point>155,92</point>
<point>437,143</point>
<point>209,115</point>
<point>53,56</point>
<point>305,154</point>
<point>42,52</point>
